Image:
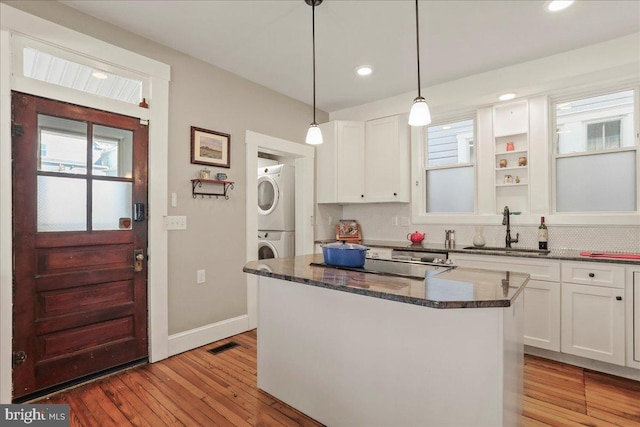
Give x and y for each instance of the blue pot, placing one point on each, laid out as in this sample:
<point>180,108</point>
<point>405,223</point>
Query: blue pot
<point>344,254</point>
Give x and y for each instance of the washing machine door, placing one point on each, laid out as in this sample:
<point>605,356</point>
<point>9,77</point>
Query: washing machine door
<point>268,195</point>
<point>266,250</point>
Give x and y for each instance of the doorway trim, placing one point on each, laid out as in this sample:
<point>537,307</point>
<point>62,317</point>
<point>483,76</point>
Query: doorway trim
<point>158,74</point>
<point>304,202</point>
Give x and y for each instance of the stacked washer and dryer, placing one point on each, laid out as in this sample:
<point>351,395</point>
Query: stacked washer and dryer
<point>276,219</point>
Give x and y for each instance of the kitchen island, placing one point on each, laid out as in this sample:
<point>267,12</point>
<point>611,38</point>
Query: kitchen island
<point>350,348</point>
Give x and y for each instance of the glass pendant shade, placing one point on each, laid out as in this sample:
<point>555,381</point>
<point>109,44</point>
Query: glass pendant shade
<point>314,135</point>
<point>420,114</point>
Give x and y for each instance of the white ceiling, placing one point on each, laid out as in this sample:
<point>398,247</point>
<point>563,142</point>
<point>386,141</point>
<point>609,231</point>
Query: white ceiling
<point>269,42</point>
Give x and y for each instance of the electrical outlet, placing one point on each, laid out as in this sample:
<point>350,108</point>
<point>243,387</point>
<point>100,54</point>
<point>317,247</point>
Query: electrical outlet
<point>405,221</point>
<point>394,220</point>
<point>176,222</point>
<point>200,276</point>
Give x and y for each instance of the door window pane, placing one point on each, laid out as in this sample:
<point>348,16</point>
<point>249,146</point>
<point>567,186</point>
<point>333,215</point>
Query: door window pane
<point>62,145</point>
<point>62,204</point>
<point>112,152</point>
<point>111,202</point>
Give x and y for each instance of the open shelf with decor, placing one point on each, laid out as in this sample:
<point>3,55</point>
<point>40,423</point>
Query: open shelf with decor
<point>221,186</point>
<point>511,156</point>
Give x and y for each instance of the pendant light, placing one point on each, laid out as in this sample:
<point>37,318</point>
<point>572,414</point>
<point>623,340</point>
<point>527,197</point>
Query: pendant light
<point>314,135</point>
<point>420,114</point>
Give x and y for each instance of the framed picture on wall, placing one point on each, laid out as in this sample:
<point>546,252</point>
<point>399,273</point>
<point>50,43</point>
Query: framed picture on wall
<point>210,148</point>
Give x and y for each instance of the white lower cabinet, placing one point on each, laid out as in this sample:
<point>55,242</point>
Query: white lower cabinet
<point>593,311</point>
<point>542,314</point>
<point>593,322</point>
<point>541,295</point>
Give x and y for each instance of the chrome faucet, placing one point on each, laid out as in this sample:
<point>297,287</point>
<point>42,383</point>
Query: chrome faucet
<point>505,221</point>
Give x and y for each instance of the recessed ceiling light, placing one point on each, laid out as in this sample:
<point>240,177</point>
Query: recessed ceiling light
<point>565,106</point>
<point>557,5</point>
<point>446,127</point>
<point>364,70</point>
<point>506,96</point>
<point>100,75</point>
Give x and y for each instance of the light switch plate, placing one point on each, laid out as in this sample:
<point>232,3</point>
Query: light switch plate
<point>201,278</point>
<point>394,220</point>
<point>175,222</point>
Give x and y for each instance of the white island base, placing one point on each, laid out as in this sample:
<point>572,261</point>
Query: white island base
<point>351,360</point>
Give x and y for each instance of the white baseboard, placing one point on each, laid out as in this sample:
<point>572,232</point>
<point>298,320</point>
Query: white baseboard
<point>206,334</point>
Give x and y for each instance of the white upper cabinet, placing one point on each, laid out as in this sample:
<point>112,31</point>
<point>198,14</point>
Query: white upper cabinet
<point>354,166</point>
<point>387,160</point>
<point>340,162</point>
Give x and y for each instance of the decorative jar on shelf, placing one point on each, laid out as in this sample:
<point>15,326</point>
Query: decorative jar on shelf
<point>510,146</point>
<point>478,238</point>
<point>204,174</point>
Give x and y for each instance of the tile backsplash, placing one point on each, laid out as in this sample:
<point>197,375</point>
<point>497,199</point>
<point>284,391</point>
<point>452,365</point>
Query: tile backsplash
<point>375,220</point>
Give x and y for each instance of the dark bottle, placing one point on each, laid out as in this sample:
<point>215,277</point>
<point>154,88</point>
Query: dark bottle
<point>543,234</point>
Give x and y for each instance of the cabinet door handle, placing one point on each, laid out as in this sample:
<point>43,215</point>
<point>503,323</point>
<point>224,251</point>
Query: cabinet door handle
<point>395,194</point>
<point>619,298</point>
<point>362,195</point>
<point>592,275</point>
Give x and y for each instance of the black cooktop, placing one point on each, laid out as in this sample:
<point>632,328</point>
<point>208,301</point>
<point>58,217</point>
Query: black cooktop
<point>411,270</point>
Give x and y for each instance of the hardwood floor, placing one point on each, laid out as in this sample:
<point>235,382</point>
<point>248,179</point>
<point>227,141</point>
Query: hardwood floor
<point>198,388</point>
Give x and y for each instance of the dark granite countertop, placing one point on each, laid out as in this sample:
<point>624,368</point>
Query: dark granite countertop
<point>453,288</point>
<point>555,254</point>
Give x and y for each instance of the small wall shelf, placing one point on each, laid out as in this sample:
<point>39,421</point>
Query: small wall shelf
<point>226,186</point>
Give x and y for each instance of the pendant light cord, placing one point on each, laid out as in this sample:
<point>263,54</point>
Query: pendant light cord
<point>313,37</point>
<point>417,48</point>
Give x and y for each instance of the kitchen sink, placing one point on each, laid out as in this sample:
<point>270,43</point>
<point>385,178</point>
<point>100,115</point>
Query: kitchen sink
<point>508,250</point>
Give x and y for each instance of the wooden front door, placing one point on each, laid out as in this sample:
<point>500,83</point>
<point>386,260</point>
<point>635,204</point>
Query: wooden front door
<point>80,242</point>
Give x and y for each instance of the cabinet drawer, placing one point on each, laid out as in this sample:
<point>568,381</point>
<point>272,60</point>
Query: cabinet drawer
<point>593,273</point>
<point>538,269</point>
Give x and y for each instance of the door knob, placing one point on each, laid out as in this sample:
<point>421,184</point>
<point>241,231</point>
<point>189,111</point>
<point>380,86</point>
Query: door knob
<point>138,257</point>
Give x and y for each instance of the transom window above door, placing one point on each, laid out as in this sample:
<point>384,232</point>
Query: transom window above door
<point>59,71</point>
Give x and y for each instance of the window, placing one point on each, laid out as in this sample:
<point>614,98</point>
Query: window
<point>595,154</point>
<point>450,167</point>
<point>52,69</point>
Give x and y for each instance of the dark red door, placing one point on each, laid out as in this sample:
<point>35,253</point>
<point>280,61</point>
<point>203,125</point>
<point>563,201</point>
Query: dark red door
<point>80,297</point>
